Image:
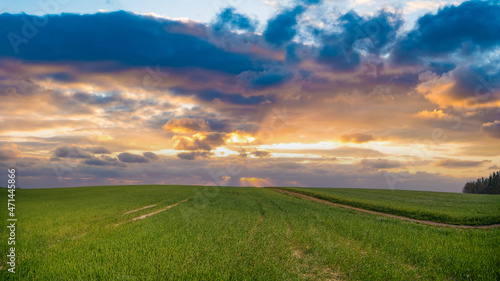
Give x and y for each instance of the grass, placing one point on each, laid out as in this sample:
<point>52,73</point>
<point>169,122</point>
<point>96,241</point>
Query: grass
<point>231,233</point>
<point>452,208</point>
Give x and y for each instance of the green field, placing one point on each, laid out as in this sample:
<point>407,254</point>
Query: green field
<point>232,233</point>
<point>452,208</point>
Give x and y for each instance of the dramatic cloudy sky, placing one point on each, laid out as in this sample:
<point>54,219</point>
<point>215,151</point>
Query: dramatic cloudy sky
<point>376,94</point>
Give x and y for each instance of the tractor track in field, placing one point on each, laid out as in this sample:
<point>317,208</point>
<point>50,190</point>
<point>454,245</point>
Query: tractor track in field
<point>153,213</point>
<point>262,214</point>
<point>318,200</point>
<point>147,207</point>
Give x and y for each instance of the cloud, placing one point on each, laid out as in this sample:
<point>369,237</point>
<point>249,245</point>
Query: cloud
<point>126,157</point>
<point>137,41</point>
<point>265,79</point>
<point>103,161</point>
<point>470,26</point>
<point>435,114</point>
<point>193,155</point>
<point>282,28</point>
<point>98,150</point>
<point>261,154</point>
<point>186,125</point>
<point>211,95</point>
<point>492,129</point>
<point>289,165</point>
<point>72,151</point>
<point>228,18</point>
<point>150,155</point>
<point>200,141</point>
<point>341,50</point>
<point>357,138</point>
<point>457,163</point>
<point>346,151</point>
<point>310,2</point>
<point>380,163</point>
<point>463,86</point>
<point>12,86</point>
<point>9,151</point>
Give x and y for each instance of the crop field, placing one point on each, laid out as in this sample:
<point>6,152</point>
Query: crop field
<point>241,233</point>
<point>452,208</point>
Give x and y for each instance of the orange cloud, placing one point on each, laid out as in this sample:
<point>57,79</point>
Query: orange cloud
<point>8,151</point>
<point>256,182</point>
<point>457,163</point>
<point>357,138</point>
<point>435,114</point>
<point>185,125</point>
<point>199,141</point>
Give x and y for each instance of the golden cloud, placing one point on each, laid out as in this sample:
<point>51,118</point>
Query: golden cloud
<point>357,138</point>
<point>185,125</point>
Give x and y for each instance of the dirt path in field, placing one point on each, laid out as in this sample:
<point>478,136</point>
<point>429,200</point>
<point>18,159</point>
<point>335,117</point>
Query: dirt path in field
<point>153,213</point>
<point>159,211</point>
<point>150,206</point>
<point>314,199</point>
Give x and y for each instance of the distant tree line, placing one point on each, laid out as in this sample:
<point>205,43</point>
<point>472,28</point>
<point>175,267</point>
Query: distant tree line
<point>489,185</point>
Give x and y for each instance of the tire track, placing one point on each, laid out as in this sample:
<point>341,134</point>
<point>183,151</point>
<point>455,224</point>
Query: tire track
<point>314,199</point>
<point>147,207</point>
<point>154,213</point>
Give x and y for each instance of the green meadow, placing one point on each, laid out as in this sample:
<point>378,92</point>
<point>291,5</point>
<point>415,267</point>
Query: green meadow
<point>241,233</point>
<point>452,208</point>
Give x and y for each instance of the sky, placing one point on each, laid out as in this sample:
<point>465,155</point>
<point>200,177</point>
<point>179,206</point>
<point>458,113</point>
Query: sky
<point>306,93</point>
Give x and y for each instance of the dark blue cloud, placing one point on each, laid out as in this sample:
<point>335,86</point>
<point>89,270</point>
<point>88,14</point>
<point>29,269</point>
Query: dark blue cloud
<point>219,125</point>
<point>372,35</point>
<point>270,79</point>
<point>310,2</point>
<point>379,30</point>
<point>60,76</point>
<point>440,68</point>
<point>119,37</point>
<point>229,18</point>
<point>282,28</point>
<point>297,52</point>
<point>291,54</point>
<point>339,56</point>
<point>471,26</point>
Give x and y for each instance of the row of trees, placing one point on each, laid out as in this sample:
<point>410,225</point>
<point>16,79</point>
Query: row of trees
<point>489,185</point>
